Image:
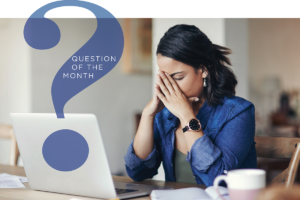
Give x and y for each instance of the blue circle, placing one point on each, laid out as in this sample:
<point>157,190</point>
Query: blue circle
<point>41,33</point>
<point>65,150</point>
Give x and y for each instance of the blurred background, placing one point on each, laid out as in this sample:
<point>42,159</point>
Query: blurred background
<point>265,58</point>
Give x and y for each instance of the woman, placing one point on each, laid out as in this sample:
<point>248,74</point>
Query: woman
<point>194,124</point>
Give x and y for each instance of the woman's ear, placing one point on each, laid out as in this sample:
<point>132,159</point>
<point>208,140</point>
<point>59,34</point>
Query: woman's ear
<point>204,72</point>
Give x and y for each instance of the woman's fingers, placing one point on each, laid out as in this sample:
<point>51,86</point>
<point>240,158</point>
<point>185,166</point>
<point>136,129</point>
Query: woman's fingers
<point>173,82</point>
<point>166,82</point>
<point>193,99</point>
<point>160,96</point>
<point>163,88</point>
<point>156,82</point>
<point>155,90</point>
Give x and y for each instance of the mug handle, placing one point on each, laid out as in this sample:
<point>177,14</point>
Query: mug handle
<point>216,183</point>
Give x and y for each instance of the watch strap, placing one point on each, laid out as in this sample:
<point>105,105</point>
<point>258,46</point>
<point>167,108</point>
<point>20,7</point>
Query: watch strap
<point>185,129</point>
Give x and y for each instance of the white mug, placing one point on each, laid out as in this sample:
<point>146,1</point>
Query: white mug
<point>243,184</point>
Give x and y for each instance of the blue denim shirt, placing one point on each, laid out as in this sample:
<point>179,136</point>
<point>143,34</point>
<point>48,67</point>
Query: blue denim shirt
<point>227,143</point>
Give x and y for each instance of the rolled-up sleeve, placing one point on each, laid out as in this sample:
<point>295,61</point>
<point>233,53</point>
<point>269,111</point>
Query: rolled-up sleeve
<point>227,151</point>
<point>133,162</point>
<point>139,169</point>
<point>203,153</point>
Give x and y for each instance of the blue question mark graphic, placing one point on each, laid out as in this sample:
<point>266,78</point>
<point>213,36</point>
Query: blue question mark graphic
<point>67,150</point>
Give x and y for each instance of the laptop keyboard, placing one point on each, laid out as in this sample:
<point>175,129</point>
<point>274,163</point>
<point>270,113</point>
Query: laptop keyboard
<point>122,191</point>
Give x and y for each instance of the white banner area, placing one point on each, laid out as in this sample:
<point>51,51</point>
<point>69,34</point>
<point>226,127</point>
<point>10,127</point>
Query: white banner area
<point>161,9</point>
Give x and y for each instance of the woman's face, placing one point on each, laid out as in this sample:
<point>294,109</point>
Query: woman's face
<point>190,83</point>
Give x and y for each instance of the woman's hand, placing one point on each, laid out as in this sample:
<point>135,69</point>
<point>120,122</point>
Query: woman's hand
<point>155,105</point>
<point>173,98</point>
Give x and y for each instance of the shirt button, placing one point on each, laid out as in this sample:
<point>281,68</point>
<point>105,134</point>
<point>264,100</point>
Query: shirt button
<point>225,171</point>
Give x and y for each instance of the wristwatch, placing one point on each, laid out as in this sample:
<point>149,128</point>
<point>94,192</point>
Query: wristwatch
<point>193,125</point>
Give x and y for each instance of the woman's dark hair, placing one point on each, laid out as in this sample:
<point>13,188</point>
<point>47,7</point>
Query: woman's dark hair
<point>189,45</point>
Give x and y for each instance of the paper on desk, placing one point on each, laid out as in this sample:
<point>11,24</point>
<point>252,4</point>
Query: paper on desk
<point>5,176</point>
<point>11,183</point>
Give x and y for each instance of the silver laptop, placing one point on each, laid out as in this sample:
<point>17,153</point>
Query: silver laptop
<point>67,156</point>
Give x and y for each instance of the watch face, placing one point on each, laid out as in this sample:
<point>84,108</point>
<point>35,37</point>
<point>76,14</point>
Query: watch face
<point>194,125</point>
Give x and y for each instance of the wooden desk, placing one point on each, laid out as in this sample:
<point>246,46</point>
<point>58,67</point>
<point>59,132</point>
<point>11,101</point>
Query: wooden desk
<point>29,194</point>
